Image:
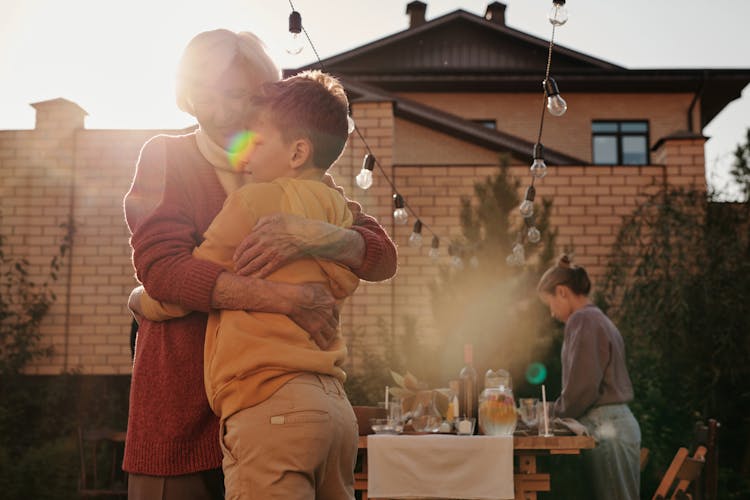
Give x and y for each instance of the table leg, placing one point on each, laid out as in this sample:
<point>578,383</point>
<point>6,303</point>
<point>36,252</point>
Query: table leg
<point>527,481</point>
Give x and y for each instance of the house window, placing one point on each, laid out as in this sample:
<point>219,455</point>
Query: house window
<point>620,143</point>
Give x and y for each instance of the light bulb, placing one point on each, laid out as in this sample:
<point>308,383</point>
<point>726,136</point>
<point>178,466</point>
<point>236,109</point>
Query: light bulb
<point>295,42</point>
<point>350,124</point>
<point>457,263</point>
<point>519,254</point>
<point>558,15</point>
<point>533,235</point>
<point>364,177</point>
<point>434,252</point>
<point>473,262</point>
<point>527,207</point>
<point>556,105</point>
<point>538,167</point>
<point>511,260</point>
<point>400,216</point>
<point>415,238</point>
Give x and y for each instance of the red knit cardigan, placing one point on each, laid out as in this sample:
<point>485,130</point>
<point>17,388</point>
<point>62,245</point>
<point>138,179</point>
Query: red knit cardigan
<point>171,429</point>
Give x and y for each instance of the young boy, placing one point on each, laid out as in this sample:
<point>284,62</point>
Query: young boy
<point>287,428</point>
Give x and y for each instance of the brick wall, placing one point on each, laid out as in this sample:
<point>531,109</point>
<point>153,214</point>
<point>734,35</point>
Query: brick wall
<point>570,133</point>
<point>60,169</point>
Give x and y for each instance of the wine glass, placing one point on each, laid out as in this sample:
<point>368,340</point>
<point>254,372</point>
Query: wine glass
<point>527,409</point>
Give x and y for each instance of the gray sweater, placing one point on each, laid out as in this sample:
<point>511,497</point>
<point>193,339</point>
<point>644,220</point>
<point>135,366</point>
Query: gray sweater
<point>593,364</point>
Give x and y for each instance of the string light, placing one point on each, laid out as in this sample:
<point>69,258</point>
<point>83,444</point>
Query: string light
<point>434,252</point>
<point>527,207</point>
<point>538,168</point>
<point>533,235</point>
<point>556,105</point>
<point>415,238</point>
<point>400,215</point>
<point>558,15</point>
<point>457,262</point>
<point>364,177</point>
<point>295,43</point>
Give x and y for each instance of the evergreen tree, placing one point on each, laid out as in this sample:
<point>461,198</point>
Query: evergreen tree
<point>484,300</point>
<point>678,285</point>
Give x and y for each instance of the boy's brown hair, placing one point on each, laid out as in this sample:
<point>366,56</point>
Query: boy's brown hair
<point>313,105</point>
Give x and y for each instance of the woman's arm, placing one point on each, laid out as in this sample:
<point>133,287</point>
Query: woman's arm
<point>586,358</point>
<point>277,239</point>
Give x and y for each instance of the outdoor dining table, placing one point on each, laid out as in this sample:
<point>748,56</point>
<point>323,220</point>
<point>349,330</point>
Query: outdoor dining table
<point>527,479</point>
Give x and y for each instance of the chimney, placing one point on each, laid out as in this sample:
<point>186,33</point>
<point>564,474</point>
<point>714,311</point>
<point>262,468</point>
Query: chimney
<point>416,11</point>
<point>495,13</point>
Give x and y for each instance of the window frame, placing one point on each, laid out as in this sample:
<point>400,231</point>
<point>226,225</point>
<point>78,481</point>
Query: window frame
<point>619,135</point>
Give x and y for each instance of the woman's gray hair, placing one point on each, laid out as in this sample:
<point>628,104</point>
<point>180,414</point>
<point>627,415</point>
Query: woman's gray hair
<point>210,53</point>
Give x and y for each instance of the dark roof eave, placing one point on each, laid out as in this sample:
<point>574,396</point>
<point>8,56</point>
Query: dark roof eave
<point>452,16</point>
<point>456,126</point>
<point>481,136</point>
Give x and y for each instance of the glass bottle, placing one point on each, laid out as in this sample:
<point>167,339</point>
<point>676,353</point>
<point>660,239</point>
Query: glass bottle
<point>426,416</point>
<point>467,395</point>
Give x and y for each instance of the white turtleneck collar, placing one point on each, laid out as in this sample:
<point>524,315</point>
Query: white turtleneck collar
<point>217,156</point>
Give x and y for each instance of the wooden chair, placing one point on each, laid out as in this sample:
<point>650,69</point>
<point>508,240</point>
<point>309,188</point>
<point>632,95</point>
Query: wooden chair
<point>682,472</point>
<point>101,452</point>
<point>706,434</point>
<point>644,458</point>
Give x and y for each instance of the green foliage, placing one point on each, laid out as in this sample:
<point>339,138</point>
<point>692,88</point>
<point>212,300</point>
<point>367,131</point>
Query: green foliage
<point>741,167</point>
<point>39,418</point>
<point>23,305</point>
<point>678,285</point>
<point>366,381</point>
<point>39,415</point>
<point>488,302</point>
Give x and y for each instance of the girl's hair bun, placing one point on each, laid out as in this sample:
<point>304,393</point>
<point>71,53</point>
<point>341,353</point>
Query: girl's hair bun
<point>564,261</point>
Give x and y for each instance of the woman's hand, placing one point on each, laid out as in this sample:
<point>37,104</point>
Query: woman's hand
<point>274,241</point>
<point>281,238</point>
<point>310,305</point>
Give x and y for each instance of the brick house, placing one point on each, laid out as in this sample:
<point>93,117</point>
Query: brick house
<point>437,103</point>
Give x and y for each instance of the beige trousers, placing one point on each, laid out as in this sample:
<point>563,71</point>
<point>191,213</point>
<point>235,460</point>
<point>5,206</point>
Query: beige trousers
<point>300,444</point>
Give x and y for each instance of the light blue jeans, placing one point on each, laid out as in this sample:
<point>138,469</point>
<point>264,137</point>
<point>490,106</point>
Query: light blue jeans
<point>614,465</point>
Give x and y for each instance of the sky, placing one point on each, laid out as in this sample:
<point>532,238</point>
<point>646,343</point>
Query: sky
<point>117,59</point>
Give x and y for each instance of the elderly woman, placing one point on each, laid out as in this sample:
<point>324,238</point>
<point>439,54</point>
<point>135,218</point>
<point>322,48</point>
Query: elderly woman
<point>180,184</point>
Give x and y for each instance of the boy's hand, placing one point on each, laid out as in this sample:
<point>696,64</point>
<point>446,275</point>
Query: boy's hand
<point>134,303</point>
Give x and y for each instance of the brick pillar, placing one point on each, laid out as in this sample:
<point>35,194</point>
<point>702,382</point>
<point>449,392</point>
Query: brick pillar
<point>683,157</point>
<point>372,301</point>
<point>58,114</point>
<point>37,197</point>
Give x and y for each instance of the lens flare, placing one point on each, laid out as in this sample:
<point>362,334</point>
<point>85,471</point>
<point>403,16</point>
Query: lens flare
<point>240,148</point>
<point>536,373</point>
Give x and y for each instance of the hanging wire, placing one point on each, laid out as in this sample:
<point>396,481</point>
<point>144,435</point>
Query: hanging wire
<point>380,167</point>
<point>362,137</point>
<point>544,97</point>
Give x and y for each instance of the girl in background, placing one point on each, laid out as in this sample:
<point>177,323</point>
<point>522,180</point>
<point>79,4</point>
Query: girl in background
<point>596,387</point>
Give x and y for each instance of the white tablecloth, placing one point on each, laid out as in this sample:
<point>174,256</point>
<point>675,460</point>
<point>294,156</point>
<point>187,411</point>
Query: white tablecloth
<point>440,466</point>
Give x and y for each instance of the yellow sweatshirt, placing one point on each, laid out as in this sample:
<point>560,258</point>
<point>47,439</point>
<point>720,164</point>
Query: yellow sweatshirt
<point>250,355</point>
